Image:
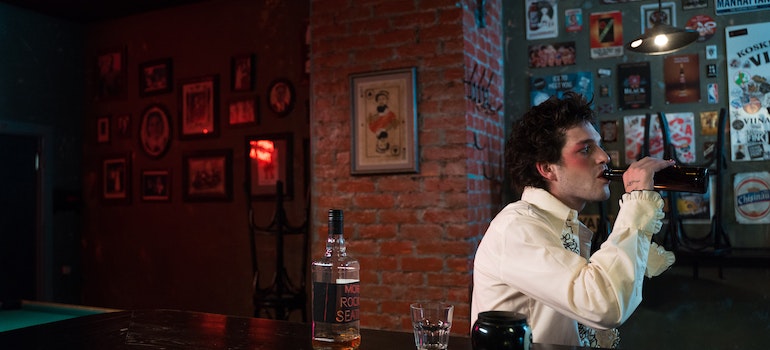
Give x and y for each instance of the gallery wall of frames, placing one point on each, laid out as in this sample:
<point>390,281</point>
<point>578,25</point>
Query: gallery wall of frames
<point>579,46</point>
<point>195,116</point>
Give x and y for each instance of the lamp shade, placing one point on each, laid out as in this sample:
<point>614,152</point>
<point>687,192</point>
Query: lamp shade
<point>662,39</point>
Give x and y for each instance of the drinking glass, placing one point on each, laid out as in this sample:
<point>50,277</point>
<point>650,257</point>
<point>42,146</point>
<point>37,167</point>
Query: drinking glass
<point>431,323</point>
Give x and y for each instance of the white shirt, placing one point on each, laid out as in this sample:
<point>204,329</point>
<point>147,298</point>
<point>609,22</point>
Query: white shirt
<point>522,265</point>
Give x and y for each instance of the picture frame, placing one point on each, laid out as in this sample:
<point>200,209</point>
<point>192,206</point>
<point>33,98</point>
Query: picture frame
<point>156,185</point>
<point>269,159</point>
<point>155,131</point>
<point>243,111</point>
<point>199,107</point>
<point>116,179</point>
<point>111,74</point>
<point>123,125</point>
<point>207,175</point>
<point>652,13</point>
<point>281,97</point>
<point>243,72</point>
<point>156,77</point>
<point>103,129</point>
<point>384,122</point>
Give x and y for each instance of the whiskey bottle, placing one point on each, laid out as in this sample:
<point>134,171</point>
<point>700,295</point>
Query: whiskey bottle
<point>335,277</point>
<point>675,178</point>
<point>682,79</point>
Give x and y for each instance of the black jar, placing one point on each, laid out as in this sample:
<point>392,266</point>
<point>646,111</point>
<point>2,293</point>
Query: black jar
<point>501,330</point>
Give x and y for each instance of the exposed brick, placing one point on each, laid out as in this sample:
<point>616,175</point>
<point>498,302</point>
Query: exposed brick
<point>422,264</point>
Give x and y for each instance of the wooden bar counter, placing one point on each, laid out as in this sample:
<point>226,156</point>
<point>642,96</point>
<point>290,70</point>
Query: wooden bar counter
<point>171,329</point>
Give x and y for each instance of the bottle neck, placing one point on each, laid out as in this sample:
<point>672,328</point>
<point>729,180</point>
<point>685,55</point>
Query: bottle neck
<point>335,245</point>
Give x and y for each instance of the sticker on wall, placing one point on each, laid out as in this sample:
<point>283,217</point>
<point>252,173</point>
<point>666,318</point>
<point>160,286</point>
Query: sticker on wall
<point>614,157</point>
<point>604,90</point>
<point>711,52</point>
<point>708,123</point>
<point>541,88</point>
<point>633,85</point>
<point>605,108</point>
<point>748,78</point>
<point>752,197</point>
<point>609,130</point>
<point>604,72</point>
<point>713,93</point>
<point>552,55</point>
<point>606,34</point>
<point>541,19</point>
<point>709,149</point>
<point>711,70</point>
<point>704,25</point>
<point>663,13</point>
<point>694,4</point>
<point>682,78</point>
<point>733,7</point>
<point>573,19</point>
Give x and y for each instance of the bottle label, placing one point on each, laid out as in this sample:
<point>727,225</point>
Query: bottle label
<point>335,303</point>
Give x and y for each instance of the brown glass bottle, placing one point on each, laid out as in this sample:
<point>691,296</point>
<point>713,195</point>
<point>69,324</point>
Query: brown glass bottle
<point>675,178</point>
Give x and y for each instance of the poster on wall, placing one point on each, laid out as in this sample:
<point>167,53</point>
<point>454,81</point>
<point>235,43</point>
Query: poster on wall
<point>681,128</point>
<point>634,85</point>
<point>541,19</point>
<point>606,34</point>
<point>682,78</point>
<point>752,197</point>
<point>541,88</point>
<point>748,72</point>
<point>724,7</point>
<point>573,20</point>
<point>704,25</point>
<point>552,55</point>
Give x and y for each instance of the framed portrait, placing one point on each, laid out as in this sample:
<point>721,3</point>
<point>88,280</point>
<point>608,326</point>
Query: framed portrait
<point>207,175</point>
<point>103,129</point>
<point>243,72</point>
<point>199,107</point>
<point>155,131</point>
<point>111,74</point>
<point>244,111</point>
<point>156,185</point>
<point>384,122</point>
<point>281,97</point>
<point>155,77</point>
<point>116,179</point>
<point>123,126</point>
<point>270,158</point>
<point>609,130</point>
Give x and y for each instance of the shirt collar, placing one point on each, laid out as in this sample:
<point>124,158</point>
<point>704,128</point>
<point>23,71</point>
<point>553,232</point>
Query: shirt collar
<point>558,211</point>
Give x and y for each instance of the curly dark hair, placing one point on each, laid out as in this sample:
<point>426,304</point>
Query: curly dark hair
<point>540,134</point>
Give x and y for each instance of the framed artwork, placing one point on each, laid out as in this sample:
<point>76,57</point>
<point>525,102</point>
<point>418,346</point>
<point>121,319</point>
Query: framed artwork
<point>156,185</point>
<point>609,130</point>
<point>384,122</point>
<point>111,74</point>
<point>207,175</point>
<point>155,77</point>
<point>244,111</point>
<point>270,159</point>
<point>123,126</point>
<point>281,97</point>
<point>652,14</point>
<point>243,72</point>
<point>155,131</point>
<point>199,107</point>
<point>103,129</point>
<point>116,179</point>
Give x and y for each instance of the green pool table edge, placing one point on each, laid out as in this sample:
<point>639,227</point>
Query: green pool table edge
<point>37,312</point>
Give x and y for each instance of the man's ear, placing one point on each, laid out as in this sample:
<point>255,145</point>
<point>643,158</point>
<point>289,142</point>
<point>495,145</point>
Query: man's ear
<point>546,171</point>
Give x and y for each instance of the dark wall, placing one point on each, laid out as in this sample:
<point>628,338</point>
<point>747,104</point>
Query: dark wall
<point>41,94</point>
<point>180,253</point>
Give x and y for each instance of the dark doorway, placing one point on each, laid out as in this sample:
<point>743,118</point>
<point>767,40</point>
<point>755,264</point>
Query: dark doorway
<point>19,216</point>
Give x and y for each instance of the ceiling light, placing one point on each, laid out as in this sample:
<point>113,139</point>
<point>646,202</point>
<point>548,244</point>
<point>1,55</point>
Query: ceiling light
<point>662,39</point>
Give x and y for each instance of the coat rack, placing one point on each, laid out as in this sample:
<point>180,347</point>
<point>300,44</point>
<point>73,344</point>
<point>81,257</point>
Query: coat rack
<point>282,296</point>
<point>478,92</point>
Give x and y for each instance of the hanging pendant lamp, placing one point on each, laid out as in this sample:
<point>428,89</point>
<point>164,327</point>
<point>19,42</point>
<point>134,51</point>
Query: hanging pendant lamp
<point>662,39</point>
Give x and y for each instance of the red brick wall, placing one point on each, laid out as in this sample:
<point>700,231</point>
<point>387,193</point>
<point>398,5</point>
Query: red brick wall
<point>414,234</point>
